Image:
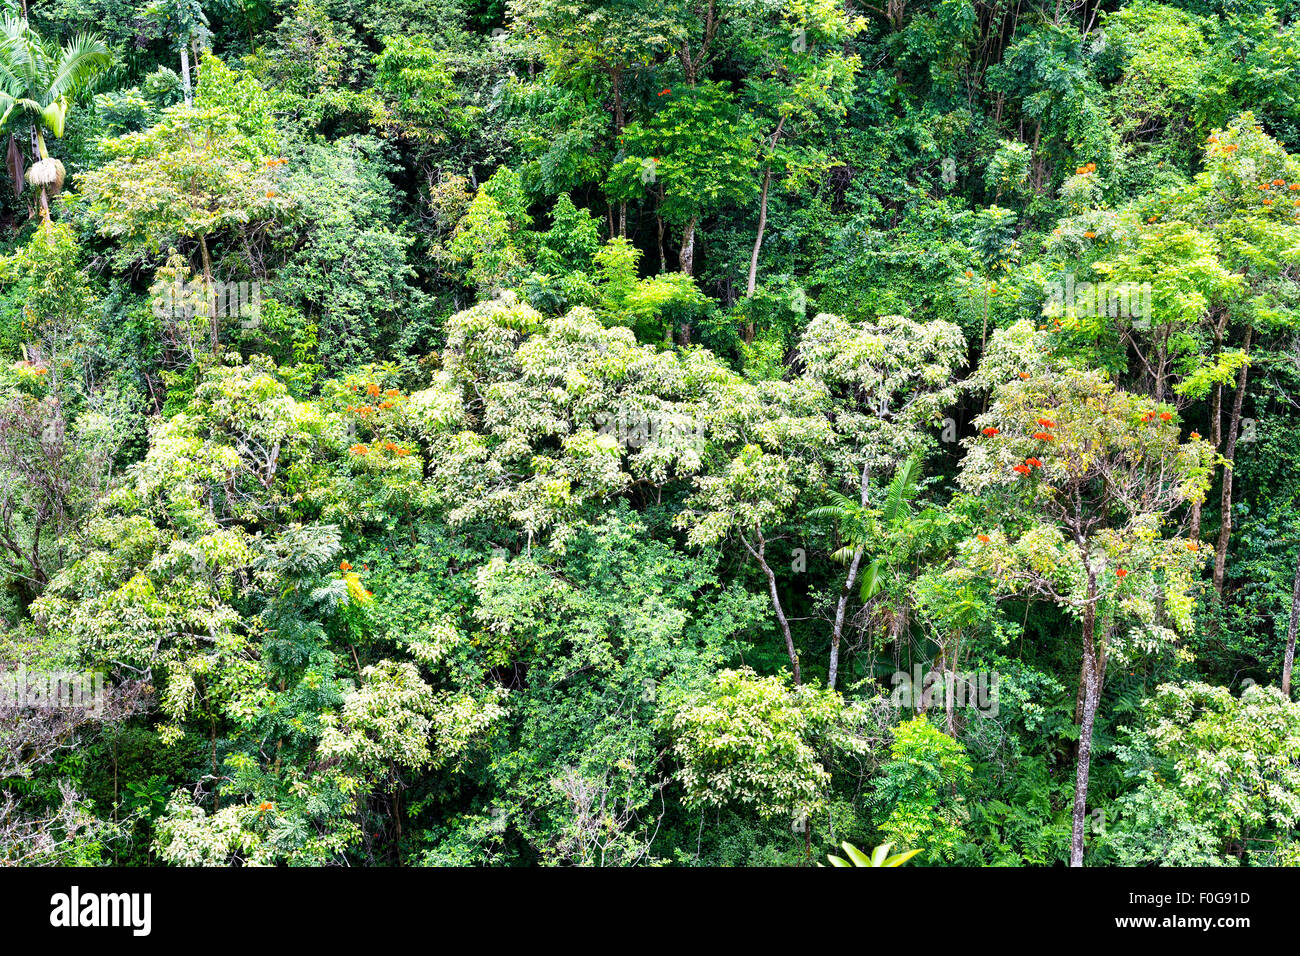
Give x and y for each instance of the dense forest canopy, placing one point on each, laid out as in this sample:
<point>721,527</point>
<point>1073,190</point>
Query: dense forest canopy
<point>650,432</point>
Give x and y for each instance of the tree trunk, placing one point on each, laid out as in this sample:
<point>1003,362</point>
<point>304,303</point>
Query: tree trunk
<point>840,612</point>
<point>841,607</point>
<point>686,257</point>
<point>620,120</point>
<point>1216,422</point>
<point>663,258</point>
<point>761,556</point>
<point>1091,688</point>
<point>758,239</point>
<point>209,302</point>
<point>1225,498</point>
<point>198,56</point>
<point>186,86</point>
<point>950,662</point>
<point>762,211</point>
<point>39,153</point>
<point>1289,661</point>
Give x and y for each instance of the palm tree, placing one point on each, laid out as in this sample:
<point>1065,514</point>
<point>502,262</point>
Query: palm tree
<point>38,82</point>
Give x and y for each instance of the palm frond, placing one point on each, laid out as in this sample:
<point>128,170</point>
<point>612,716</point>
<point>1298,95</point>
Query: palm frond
<point>878,857</point>
<point>873,581</point>
<point>902,489</point>
<point>81,61</point>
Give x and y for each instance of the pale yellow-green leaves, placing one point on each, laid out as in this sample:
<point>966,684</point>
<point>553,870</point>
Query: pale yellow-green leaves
<point>755,741</point>
<point>395,719</point>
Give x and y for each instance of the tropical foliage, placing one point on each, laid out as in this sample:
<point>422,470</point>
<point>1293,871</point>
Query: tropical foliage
<point>651,433</point>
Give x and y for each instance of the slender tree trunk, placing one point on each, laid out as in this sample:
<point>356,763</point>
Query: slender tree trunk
<point>198,56</point>
<point>660,226</point>
<point>950,685</point>
<point>186,86</point>
<point>1162,364</point>
<point>841,607</point>
<point>209,302</point>
<point>616,84</point>
<point>758,239</point>
<point>216,771</point>
<point>620,120</point>
<point>686,257</point>
<point>762,212</point>
<point>1289,660</point>
<point>896,638</point>
<point>1091,687</point>
<point>1216,423</point>
<point>1225,498</point>
<point>760,555</point>
<point>39,153</point>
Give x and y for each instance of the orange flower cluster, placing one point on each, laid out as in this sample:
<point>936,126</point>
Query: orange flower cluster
<point>1086,169</point>
<point>1044,436</point>
<point>373,391</point>
<point>990,431</point>
<point>1046,423</point>
<point>1090,235</point>
<point>1028,466</point>
<point>279,161</point>
<point>359,449</point>
<point>982,538</point>
<point>264,806</point>
<point>271,194</point>
<point>1121,573</point>
<point>345,565</point>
